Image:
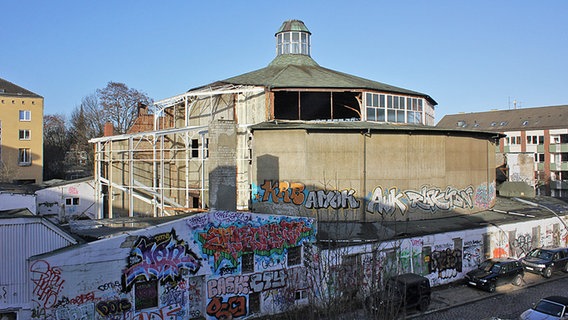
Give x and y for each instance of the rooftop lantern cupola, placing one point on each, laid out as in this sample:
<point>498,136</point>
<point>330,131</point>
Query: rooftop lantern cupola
<point>293,38</point>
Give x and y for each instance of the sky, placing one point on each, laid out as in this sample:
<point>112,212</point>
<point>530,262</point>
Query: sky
<point>469,56</point>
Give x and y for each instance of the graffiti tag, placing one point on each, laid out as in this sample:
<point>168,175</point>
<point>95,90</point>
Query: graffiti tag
<point>162,257</point>
<point>47,282</point>
<point>235,307</point>
<point>233,241</point>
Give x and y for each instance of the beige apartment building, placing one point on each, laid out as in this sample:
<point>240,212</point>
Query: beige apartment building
<point>535,149</point>
<point>21,134</point>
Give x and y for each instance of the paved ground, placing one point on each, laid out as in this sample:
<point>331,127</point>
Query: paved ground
<point>457,294</point>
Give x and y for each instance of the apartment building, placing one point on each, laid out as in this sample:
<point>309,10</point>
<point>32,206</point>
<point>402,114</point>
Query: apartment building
<point>21,134</point>
<point>535,149</point>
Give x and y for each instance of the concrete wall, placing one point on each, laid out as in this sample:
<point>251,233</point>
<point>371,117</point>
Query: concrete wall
<point>385,175</point>
<point>442,258</point>
<point>9,200</point>
<point>194,267</point>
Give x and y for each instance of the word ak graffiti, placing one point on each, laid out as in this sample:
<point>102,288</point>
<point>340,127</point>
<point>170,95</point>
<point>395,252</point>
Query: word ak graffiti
<point>389,201</point>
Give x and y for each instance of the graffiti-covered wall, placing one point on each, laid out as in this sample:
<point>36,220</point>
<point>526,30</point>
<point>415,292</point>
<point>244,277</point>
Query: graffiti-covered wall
<point>214,265</point>
<point>442,258</point>
<point>374,176</point>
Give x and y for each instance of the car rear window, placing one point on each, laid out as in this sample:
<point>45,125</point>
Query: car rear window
<point>549,308</point>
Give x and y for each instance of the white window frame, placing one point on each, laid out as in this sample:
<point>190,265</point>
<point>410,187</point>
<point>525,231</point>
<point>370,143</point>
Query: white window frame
<point>25,115</point>
<point>27,134</point>
<point>393,108</point>
<point>24,156</point>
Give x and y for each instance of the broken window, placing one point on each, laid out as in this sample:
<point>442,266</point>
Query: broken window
<point>294,105</point>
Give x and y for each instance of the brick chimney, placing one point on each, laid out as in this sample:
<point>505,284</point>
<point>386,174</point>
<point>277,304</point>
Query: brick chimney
<point>109,129</point>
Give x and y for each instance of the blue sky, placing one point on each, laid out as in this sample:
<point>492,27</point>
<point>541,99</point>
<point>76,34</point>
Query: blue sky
<point>469,56</point>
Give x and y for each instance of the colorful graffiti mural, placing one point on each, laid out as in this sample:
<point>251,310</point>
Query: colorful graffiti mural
<point>226,238</point>
<point>296,193</point>
<point>383,200</point>
<point>161,257</point>
<point>258,237</point>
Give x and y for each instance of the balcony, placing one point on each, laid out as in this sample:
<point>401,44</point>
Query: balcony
<point>559,184</point>
<point>558,147</point>
<point>562,166</point>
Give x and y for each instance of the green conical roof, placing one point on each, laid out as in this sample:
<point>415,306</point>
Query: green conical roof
<point>293,25</point>
<point>296,71</point>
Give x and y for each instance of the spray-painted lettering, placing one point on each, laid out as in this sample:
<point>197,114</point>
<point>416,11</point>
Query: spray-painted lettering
<point>233,241</point>
<point>235,307</point>
<point>267,280</point>
<point>162,257</point>
<point>246,284</point>
<point>47,282</point>
<point>296,193</point>
<point>228,285</point>
<point>387,201</point>
<point>113,307</point>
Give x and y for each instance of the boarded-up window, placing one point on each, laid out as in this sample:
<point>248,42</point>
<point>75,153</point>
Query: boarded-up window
<point>294,256</point>
<point>146,295</point>
<point>247,262</point>
<point>254,302</point>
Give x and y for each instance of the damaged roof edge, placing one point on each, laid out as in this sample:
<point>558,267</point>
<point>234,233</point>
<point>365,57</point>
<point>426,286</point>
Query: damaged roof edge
<point>367,126</point>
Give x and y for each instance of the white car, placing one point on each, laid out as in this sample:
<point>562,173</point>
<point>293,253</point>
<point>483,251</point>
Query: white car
<point>549,308</point>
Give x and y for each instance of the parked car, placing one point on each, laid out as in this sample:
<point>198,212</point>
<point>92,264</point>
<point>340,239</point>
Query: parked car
<point>553,307</point>
<point>546,260</point>
<point>494,272</point>
<point>402,291</point>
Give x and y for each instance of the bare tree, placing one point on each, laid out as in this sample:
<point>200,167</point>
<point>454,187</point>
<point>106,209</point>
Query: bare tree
<point>119,104</point>
<point>55,146</point>
<point>87,119</point>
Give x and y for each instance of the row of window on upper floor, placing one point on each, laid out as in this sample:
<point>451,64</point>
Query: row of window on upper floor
<point>394,108</point>
<point>556,158</point>
<point>536,140</point>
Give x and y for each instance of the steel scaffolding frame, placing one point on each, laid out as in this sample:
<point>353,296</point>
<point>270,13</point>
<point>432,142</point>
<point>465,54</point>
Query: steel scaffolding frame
<point>120,154</point>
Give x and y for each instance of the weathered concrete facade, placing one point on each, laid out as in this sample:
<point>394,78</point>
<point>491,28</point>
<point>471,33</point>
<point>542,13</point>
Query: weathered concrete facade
<point>370,172</point>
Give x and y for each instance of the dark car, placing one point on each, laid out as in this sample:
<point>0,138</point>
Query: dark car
<point>402,291</point>
<point>553,307</point>
<point>546,260</point>
<point>494,272</point>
